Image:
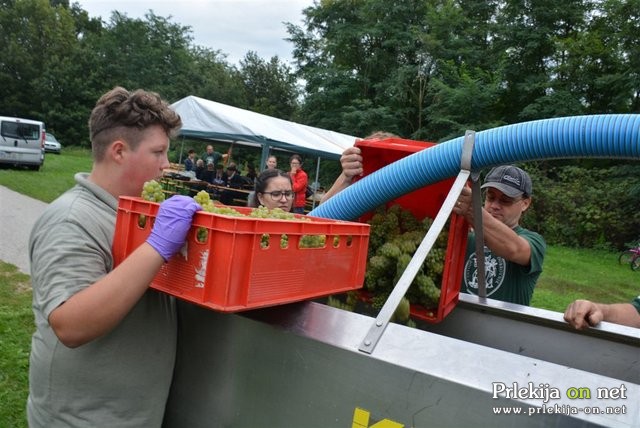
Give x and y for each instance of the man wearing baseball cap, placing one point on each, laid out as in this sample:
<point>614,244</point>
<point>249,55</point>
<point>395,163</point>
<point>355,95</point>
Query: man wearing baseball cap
<point>513,255</point>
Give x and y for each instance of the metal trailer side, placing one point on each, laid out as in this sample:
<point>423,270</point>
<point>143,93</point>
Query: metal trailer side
<point>298,365</point>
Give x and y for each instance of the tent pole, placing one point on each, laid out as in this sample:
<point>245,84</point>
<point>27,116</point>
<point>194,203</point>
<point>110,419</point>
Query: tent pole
<point>264,156</point>
<point>181,150</point>
<point>315,189</point>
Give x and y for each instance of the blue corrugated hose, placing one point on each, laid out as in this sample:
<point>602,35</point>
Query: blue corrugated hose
<point>597,136</point>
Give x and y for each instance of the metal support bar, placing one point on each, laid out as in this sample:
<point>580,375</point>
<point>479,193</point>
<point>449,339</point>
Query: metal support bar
<point>476,202</point>
<point>479,233</point>
<point>382,320</point>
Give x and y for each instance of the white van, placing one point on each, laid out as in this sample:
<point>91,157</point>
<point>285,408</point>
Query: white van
<point>21,142</point>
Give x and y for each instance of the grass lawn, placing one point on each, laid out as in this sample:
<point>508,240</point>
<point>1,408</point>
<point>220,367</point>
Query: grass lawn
<point>574,273</point>
<point>16,327</point>
<point>55,176</point>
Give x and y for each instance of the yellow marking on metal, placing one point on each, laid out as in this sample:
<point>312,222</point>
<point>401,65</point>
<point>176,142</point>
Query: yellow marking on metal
<point>361,420</point>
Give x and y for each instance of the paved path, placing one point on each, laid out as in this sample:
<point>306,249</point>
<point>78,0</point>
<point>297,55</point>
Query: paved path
<point>18,213</point>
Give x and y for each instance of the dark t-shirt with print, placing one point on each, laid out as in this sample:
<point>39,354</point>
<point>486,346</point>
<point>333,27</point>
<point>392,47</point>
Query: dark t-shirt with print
<point>506,281</point>
<point>211,158</point>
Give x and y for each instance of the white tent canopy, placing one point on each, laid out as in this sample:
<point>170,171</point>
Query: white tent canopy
<point>205,119</point>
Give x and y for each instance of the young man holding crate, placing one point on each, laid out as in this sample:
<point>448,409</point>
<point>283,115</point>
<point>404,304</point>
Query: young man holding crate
<point>104,346</point>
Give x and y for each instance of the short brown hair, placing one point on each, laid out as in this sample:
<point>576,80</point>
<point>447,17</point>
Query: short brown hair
<point>380,135</point>
<point>123,114</point>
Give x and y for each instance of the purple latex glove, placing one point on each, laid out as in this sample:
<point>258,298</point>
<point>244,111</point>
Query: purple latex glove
<point>172,224</point>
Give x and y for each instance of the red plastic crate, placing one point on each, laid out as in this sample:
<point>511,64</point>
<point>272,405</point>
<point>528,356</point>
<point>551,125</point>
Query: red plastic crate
<point>424,202</point>
<point>231,270</point>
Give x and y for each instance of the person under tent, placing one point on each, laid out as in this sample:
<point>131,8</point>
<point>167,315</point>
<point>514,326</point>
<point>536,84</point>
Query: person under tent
<point>273,189</point>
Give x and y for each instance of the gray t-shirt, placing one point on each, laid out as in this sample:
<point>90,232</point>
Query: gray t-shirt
<point>120,379</point>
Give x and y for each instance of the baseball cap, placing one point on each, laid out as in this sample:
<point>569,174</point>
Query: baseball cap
<point>510,180</point>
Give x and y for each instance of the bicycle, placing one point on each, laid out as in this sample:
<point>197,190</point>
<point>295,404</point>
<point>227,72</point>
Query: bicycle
<point>632,257</point>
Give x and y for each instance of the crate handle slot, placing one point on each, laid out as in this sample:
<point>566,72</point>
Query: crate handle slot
<point>312,241</point>
<point>142,221</point>
<point>264,241</point>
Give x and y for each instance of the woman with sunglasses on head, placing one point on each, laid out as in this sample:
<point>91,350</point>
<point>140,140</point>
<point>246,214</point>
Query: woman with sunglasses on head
<point>273,189</point>
<point>513,255</point>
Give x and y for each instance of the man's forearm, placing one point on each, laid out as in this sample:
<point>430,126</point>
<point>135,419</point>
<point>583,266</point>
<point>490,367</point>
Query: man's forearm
<point>621,313</point>
<point>98,308</point>
<point>503,241</point>
<point>341,183</point>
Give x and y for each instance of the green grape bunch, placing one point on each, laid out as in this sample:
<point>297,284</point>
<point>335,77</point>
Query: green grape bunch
<point>306,241</point>
<point>312,241</point>
<point>394,236</point>
<point>337,303</point>
<point>152,191</point>
<point>275,213</point>
<point>204,200</point>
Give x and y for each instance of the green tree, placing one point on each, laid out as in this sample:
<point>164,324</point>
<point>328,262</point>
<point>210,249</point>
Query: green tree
<point>468,71</point>
<point>271,87</point>
<point>616,77</point>
<point>211,77</point>
<point>134,53</point>
<point>360,61</point>
<point>586,203</point>
<point>34,46</point>
<point>157,54</point>
<point>533,35</point>
<point>41,71</point>
<point>462,99</point>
